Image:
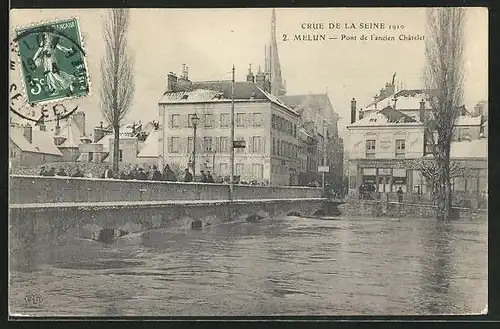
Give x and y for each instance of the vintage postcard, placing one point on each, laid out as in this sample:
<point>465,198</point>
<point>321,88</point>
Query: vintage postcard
<point>248,162</point>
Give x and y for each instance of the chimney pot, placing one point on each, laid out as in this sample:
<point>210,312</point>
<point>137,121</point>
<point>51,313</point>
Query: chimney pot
<point>422,111</point>
<point>353,110</point>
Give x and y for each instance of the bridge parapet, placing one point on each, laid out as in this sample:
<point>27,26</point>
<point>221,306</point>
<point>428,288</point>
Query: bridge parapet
<point>40,189</point>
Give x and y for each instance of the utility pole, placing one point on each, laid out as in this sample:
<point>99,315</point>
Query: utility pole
<point>231,159</point>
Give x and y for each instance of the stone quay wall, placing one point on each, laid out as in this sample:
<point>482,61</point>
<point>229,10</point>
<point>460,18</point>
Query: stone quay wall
<point>40,189</point>
<point>375,208</point>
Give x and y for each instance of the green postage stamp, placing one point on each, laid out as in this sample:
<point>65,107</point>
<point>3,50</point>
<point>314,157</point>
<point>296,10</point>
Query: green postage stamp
<point>53,61</point>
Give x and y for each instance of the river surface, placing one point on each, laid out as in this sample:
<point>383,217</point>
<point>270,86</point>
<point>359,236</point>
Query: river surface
<point>286,266</point>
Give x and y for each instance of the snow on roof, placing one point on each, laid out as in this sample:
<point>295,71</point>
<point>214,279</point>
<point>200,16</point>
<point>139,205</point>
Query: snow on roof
<point>384,117</point>
<point>18,138</point>
<point>477,148</point>
<point>44,141</point>
<point>150,148</point>
<point>466,120</point>
<point>198,95</point>
<point>408,99</point>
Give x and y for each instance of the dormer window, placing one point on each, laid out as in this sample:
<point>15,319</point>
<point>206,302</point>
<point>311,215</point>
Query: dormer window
<point>373,120</point>
<point>185,96</point>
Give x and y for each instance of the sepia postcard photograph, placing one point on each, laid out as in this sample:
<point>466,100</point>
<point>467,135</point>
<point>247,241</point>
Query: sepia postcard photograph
<point>248,162</point>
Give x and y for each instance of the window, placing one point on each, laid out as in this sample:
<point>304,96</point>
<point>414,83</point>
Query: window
<point>400,147</point>
<point>257,144</point>
<point>174,121</point>
<point>190,145</point>
<point>208,120</point>
<point>240,119</point>
<point>274,147</point>
<point>224,144</point>
<point>120,155</point>
<point>239,168</point>
<point>91,156</point>
<point>257,172</point>
<point>207,144</point>
<point>257,119</point>
<point>224,120</point>
<point>370,147</point>
<point>174,144</point>
<point>240,150</point>
<point>190,120</point>
<point>224,169</point>
<point>273,121</point>
<point>13,152</point>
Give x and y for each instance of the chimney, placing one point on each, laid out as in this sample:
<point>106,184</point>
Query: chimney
<point>422,111</point>
<point>58,128</point>
<point>28,132</point>
<point>360,114</point>
<point>353,110</point>
<point>79,118</point>
<point>261,81</point>
<point>250,76</point>
<point>101,124</point>
<point>171,81</point>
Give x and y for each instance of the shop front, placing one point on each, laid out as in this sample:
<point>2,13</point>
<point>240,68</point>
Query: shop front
<point>384,176</point>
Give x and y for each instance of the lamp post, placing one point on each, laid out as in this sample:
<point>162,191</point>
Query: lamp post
<point>194,122</point>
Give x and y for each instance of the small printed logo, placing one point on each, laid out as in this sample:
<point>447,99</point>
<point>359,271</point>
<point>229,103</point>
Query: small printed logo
<point>33,299</point>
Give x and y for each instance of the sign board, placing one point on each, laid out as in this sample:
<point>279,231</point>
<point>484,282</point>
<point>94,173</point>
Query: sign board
<point>324,168</point>
<point>239,144</point>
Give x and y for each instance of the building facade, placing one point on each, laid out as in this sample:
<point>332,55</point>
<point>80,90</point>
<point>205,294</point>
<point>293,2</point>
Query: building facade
<point>266,124</point>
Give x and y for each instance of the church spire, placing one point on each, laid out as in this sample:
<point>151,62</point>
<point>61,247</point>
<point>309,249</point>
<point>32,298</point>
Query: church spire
<point>272,62</point>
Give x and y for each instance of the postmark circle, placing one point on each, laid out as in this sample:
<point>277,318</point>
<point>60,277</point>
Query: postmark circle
<point>52,71</point>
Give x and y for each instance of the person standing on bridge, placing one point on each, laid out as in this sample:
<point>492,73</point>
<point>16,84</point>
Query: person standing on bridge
<point>168,174</point>
<point>108,173</point>
<point>188,177</point>
<point>156,174</point>
<point>210,178</point>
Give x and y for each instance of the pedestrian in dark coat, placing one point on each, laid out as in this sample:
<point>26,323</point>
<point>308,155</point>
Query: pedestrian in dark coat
<point>43,172</point>
<point>61,172</point>
<point>108,173</point>
<point>77,173</point>
<point>156,174</point>
<point>188,177</point>
<point>168,174</point>
<point>210,179</point>
<point>400,195</point>
<point>203,177</point>
<point>141,175</point>
<point>51,172</point>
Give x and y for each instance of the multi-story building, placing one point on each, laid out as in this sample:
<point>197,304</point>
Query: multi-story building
<point>379,144</point>
<point>319,119</point>
<point>392,130</point>
<point>266,124</point>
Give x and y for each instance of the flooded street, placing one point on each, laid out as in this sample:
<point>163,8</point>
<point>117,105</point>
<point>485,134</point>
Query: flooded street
<point>287,266</point>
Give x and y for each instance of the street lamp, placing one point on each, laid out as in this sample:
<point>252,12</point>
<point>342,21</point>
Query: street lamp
<point>194,121</point>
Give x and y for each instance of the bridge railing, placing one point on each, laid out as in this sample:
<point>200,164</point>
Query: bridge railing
<point>40,189</point>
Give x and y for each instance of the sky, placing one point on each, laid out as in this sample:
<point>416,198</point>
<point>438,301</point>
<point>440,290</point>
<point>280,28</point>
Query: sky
<point>210,41</point>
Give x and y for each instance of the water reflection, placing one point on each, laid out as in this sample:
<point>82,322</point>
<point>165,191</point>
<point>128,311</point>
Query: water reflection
<point>288,266</point>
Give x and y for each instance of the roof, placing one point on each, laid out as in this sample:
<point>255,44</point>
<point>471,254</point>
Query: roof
<point>466,120</point>
<point>214,91</point>
<point>407,99</point>
<point>477,148</point>
<point>44,142</point>
<point>384,117</point>
<point>150,147</point>
<point>18,138</point>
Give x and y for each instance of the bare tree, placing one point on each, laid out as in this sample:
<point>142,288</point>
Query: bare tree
<point>428,167</point>
<point>117,74</point>
<point>443,80</point>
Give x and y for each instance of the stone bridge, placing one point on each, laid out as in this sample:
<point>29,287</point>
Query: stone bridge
<point>100,209</point>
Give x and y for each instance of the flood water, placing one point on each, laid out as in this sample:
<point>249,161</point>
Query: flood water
<point>287,266</point>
